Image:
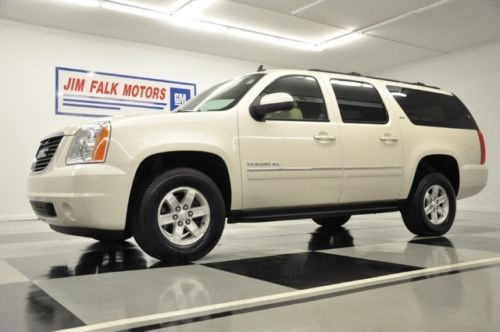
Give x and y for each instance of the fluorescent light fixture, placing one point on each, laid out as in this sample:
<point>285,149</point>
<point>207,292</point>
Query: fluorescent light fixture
<point>85,3</point>
<point>128,9</point>
<point>198,25</point>
<point>186,16</point>
<point>193,8</point>
<point>345,39</point>
<point>299,45</point>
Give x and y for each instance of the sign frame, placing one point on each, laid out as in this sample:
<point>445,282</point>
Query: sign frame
<point>77,70</point>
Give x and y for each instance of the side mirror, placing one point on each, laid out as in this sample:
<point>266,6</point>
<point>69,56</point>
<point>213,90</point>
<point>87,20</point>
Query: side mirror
<point>270,103</point>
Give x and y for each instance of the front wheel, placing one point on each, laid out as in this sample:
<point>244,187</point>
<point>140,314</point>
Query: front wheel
<point>332,222</point>
<point>181,216</point>
<point>430,209</point>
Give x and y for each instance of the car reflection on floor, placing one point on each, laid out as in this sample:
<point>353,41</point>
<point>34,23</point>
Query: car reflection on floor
<point>323,238</point>
<point>108,257</point>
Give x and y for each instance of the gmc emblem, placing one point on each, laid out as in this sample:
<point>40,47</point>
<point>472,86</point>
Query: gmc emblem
<point>42,153</point>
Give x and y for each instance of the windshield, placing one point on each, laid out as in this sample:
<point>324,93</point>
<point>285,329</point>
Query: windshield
<point>222,96</point>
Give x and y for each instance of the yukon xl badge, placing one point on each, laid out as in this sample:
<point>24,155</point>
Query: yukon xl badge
<point>255,165</point>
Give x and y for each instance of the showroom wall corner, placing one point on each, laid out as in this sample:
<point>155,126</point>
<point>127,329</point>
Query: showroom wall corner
<point>27,83</point>
<point>472,74</point>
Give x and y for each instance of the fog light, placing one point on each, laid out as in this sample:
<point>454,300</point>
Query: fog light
<point>68,212</point>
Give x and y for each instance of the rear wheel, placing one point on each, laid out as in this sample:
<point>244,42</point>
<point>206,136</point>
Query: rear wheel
<point>332,222</point>
<point>181,216</point>
<point>430,209</point>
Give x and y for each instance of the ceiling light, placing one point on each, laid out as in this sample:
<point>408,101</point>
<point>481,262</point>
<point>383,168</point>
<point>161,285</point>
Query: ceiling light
<point>350,37</point>
<point>198,25</point>
<point>193,7</point>
<point>185,16</point>
<point>299,45</point>
<point>120,7</point>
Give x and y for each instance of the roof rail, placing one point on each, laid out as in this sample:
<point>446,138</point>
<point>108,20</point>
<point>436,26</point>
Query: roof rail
<point>377,78</point>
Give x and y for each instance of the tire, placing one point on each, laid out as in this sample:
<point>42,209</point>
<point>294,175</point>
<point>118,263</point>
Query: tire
<point>434,192</point>
<point>332,222</point>
<point>192,209</point>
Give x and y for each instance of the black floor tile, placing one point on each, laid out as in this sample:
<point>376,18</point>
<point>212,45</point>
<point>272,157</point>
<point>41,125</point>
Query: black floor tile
<point>25,307</point>
<point>306,270</point>
<point>95,259</point>
<point>463,242</point>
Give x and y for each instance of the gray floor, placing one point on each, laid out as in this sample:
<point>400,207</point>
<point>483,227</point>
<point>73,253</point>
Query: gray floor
<point>50,281</point>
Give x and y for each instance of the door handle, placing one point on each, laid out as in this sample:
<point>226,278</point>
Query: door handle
<point>324,138</point>
<point>388,139</point>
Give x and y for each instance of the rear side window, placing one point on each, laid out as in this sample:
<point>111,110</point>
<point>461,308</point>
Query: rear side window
<point>359,102</point>
<point>426,108</point>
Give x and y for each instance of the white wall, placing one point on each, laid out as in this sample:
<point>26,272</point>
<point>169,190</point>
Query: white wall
<point>28,57</point>
<point>474,75</point>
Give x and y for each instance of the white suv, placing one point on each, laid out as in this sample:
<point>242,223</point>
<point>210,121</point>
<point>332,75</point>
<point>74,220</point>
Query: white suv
<point>272,145</point>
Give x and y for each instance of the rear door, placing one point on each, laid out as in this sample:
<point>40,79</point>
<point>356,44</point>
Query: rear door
<point>371,145</point>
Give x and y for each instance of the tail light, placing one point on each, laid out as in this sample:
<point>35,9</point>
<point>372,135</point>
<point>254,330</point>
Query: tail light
<point>483,147</point>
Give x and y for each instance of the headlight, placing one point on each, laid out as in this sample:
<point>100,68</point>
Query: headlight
<point>90,144</point>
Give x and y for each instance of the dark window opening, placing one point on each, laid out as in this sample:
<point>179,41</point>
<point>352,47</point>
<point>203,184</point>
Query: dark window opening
<point>433,109</point>
<point>359,102</point>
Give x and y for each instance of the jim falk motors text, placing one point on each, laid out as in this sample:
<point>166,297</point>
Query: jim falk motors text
<point>96,86</point>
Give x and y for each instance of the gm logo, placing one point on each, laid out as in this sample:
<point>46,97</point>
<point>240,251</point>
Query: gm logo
<point>178,97</point>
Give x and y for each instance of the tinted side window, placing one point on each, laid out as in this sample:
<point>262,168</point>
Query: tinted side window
<point>359,102</point>
<point>426,108</point>
<point>307,96</point>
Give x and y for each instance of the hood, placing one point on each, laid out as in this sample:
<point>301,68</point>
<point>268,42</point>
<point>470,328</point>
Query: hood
<point>73,128</point>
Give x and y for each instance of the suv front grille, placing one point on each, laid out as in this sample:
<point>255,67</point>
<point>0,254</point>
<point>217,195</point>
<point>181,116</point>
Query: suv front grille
<point>46,151</point>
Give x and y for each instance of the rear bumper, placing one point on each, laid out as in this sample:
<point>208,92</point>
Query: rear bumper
<point>91,196</point>
<point>473,179</point>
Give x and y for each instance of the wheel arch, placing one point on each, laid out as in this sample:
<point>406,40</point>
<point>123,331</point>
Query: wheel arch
<point>443,163</point>
<point>208,163</point>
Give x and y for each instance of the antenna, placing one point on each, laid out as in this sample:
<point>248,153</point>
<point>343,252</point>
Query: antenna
<point>261,68</point>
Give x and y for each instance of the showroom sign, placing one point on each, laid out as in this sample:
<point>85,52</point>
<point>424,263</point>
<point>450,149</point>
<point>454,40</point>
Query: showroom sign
<point>88,93</point>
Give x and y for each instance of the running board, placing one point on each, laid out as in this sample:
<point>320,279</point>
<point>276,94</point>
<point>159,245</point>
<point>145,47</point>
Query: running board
<point>306,212</point>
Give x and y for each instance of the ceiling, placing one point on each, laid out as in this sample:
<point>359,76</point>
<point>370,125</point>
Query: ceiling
<point>291,33</point>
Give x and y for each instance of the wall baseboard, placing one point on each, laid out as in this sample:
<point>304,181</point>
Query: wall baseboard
<point>480,208</point>
<point>18,217</point>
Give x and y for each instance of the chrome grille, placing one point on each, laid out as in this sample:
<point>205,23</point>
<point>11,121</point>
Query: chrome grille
<point>46,151</point>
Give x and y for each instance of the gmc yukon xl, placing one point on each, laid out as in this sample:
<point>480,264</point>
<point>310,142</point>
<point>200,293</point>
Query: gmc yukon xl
<point>271,145</point>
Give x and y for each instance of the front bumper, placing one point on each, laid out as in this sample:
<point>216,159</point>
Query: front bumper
<point>84,196</point>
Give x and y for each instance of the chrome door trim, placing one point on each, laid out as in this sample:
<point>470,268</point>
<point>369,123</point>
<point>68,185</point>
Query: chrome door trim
<point>373,168</point>
<point>302,169</point>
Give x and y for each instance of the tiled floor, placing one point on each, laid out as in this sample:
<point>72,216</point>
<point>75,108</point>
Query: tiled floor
<point>50,281</point>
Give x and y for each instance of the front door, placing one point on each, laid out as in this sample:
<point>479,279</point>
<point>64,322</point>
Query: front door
<point>292,158</point>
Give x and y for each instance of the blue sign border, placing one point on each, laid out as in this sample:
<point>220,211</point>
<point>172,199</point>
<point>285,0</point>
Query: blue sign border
<point>107,74</point>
